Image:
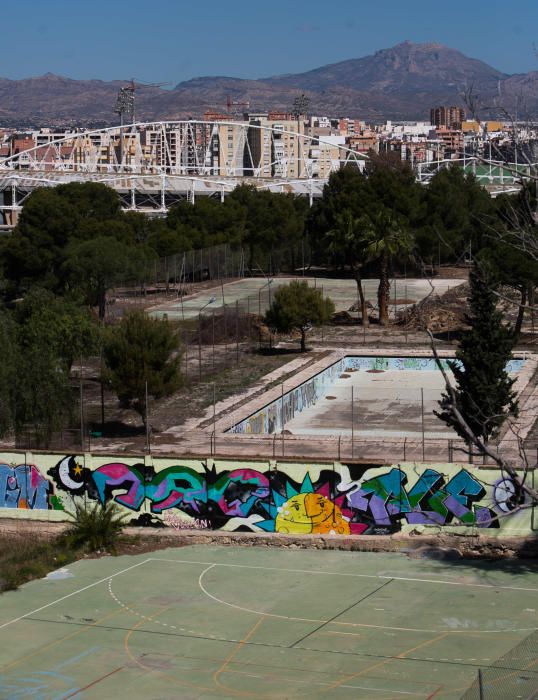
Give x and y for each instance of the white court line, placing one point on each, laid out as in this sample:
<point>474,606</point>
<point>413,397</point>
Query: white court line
<point>69,595</point>
<point>336,622</point>
<point>338,573</point>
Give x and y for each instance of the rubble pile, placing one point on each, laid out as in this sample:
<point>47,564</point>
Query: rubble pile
<point>441,313</point>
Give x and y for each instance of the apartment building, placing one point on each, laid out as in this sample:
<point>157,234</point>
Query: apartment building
<point>447,117</point>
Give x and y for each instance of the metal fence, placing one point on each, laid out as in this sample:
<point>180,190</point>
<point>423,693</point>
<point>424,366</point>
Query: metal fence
<point>512,677</point>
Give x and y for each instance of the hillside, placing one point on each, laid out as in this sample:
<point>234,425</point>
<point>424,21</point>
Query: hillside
<point>401,82</point>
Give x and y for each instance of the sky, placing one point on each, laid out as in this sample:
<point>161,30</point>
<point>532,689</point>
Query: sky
<point>175,40</point>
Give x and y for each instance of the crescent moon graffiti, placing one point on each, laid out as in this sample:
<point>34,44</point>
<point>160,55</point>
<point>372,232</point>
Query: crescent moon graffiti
<point>65,478</point>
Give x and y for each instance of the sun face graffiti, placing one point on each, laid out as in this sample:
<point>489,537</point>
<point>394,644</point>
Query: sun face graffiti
<point>309,511</point>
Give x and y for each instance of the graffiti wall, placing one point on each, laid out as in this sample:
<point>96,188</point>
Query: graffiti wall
<point>271,418</point>
<point>340,499</point>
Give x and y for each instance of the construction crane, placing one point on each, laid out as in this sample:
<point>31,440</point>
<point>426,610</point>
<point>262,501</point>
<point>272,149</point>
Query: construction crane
<point>231,103</point>
<point>126,100</point>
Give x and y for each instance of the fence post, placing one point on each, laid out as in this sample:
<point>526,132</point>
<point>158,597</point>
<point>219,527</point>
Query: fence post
<point>405,449</point>
<point>282,415</point>
<point>422,416</point>
<point>200,346</point>
<point>237,332</point>
<point>481,685</point>
<point>450,451</point>
<point>352,423</point>
<point>339,441</point>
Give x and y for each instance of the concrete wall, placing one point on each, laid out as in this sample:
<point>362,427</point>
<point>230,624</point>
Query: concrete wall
<point>263,496</point>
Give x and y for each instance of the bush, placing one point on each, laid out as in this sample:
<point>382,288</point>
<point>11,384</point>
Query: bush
<point>95,527</point>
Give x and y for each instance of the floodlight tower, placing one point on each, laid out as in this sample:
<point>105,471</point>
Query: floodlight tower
<point>300,107</point>
<point>126,105</point>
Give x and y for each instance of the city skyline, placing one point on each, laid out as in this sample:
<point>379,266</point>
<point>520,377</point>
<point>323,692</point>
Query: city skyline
<point>173,42</point>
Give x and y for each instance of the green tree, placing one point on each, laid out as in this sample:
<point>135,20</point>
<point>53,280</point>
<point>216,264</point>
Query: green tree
<point>457,212</point>
<point>142,352</point>
<point>97,265</point>
<point>61,324</point>
<point>91,200</point>
<point>51,332</point>
<point>387,239</point>
<point>33,254</point>
<point>8,342</point>
<point>484,395</point>
<point>511,247</point>
<point>296,306</point>
<point>338,223</point>
<point>347,243</point>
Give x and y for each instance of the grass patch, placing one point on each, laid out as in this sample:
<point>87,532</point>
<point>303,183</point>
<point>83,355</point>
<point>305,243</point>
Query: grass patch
<point>94,530</point>
<point>24,557</point>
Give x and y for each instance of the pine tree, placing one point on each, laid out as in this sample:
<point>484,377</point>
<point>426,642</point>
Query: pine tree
<point>483,389</point>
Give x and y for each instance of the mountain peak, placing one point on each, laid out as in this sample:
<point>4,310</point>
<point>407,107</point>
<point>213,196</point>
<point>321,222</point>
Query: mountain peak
<point>402,82</point>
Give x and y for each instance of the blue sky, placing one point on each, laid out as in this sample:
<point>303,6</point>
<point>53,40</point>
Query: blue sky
<point>174,40</point>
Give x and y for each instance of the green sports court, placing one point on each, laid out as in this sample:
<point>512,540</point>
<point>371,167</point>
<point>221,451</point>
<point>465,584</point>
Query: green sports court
<point>248,622</point>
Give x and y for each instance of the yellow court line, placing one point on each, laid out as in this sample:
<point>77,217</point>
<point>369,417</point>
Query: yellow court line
<point>49,645</point>
<point>164,675</point>
<point>385,661</point>
<point>424,644</point>
<point>235,651</point>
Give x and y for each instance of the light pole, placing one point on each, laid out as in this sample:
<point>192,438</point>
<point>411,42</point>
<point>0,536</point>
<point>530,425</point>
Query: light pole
<point>211,300</point>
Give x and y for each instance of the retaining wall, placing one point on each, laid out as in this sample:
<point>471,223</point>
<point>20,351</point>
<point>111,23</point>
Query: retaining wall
<point>264,496</point>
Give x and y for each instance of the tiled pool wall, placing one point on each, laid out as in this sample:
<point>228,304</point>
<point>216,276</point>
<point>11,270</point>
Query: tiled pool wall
<point>273,417</point>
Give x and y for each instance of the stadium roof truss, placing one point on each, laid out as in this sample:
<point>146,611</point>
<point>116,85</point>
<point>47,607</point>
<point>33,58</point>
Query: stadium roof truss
<point>154,164</point>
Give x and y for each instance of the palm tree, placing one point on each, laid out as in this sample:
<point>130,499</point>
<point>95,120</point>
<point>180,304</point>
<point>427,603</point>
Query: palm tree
<point>347,242</point>
<point>387,239</point>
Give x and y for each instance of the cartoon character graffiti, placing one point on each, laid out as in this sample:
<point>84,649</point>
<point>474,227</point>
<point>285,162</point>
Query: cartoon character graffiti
<point>309,511</point>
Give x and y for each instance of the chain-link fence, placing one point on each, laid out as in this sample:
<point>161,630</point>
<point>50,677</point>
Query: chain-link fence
<point>512,677</point>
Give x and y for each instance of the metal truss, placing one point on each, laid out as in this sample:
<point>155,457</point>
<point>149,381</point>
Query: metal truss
<point>498,177</point>
<point>186,148</point>
<point>154,164</point>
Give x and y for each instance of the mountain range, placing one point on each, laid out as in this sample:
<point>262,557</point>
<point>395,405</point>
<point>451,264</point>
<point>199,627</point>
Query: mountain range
<point>399,83</point>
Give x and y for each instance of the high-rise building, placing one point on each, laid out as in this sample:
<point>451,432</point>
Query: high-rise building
<point>448,117</point>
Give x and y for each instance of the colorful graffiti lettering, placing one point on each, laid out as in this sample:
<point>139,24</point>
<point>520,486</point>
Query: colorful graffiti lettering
<point>23,487</point>
<point>341,500</point>
<point>273,501</point>
<point>430,501</point>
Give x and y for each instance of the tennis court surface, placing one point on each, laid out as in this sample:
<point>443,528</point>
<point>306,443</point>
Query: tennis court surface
<point>217,622</point>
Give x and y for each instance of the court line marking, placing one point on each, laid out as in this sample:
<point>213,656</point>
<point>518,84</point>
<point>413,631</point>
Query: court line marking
<point>230,658</point>
<point>55,642</point>
<point>338,573</point>
<point>151,618</point>
<point>319,683</point>
<point>332,619</point>
<point>335,622</point>
<point>70,595</point>
<point>151,670</point>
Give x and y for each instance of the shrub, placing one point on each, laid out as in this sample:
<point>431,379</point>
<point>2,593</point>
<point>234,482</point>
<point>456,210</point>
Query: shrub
<point>95,527</point>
